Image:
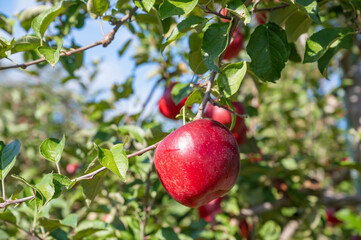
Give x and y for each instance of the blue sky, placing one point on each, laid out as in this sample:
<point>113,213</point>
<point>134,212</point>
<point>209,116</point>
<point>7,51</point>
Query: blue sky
<point>112,69</point>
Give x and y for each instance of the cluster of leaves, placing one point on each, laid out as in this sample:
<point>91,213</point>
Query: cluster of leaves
<point>292,125</point>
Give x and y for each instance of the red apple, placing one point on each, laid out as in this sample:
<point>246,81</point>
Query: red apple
<point>225,117</point>
<point>198,162</point>
<point>241,135</point>
<point>330,216</point>
<point>166,104</point>
<point>71,168</point>
<point>244,228</point>
<point>261,17</point>
<point>210,210</point>
<point>235,46</point>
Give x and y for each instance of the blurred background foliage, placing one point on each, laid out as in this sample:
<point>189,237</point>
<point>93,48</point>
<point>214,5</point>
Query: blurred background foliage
<point>298,141</point>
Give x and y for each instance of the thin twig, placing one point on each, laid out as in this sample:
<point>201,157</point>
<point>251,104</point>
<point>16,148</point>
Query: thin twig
<point>146,193</point>
<point>58,167</point>
<point>271,9</point>
<point>86,176</point>
<point>3,189</point>
<point>207,10</point>
<point>105,42</point>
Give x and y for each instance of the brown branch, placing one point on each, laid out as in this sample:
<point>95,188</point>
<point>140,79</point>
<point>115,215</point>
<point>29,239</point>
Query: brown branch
<point>289,230</point>
<point>105,42</point>
<point>271,9</point>
<point>84,177</point>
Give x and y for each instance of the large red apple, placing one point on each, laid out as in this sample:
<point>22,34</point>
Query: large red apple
<point>235,46</point>
<point>198,162</point>
<point>225,117</point>
<point>210,210</point>
<point>166,104</point>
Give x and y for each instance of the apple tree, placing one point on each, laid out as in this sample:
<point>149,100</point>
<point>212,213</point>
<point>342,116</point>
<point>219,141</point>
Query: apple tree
<point>256,133</point>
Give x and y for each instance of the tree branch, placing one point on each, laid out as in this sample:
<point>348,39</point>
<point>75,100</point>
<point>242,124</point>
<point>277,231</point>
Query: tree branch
<point>207,10</point>
<point>289,230</point>
<point>86,176</point>
<point>271,9</point>
<point>105,42</point>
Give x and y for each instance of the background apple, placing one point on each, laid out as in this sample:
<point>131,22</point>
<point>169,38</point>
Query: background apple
<point>224,12</point>
<point>223,116</point>
<point>330,216</point>
<point>71,168</point>
<point>198,162</point>
<point>210,210</point>
<point>244,228</point>
<point>166,104</point>
<point>235,46</point>
<point>261,17</point>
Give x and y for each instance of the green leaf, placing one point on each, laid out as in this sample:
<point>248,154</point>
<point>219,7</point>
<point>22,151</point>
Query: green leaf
<point>146,5</point>
<point>26,43</point>
<point>92,187</point>
<point>96,8</point>
<point>215,40</point>
<point>231,78</point>
<point>52,148</point>
<point>323,62</point>
<point>51,55</point>
<point>195,97</point>
<point>176,7</point>
<point>115,160</point>
<point>88,227</point>
<point>137,132</point>
<point>6,24</point>
<point>311,8</point>
<point>350,220</point>
<point>320,42</point>
<point>42,21</point>
<point>8,216</point>
<point>70,220</point>
<point>183,27</point>
<point>5,47</point>
<point>297,24</point>
<point>125,47</point>
<point>237,8</point>
<point>294,56</point>
<point>61,184</point>
<point>195,55</point>
<point>39,197</point>
<point>269,51</point>
<point>26,16</point>
<point>8,155</point>
<point>46,187</point>
<point>180,91</point>
<point>270,231</point>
